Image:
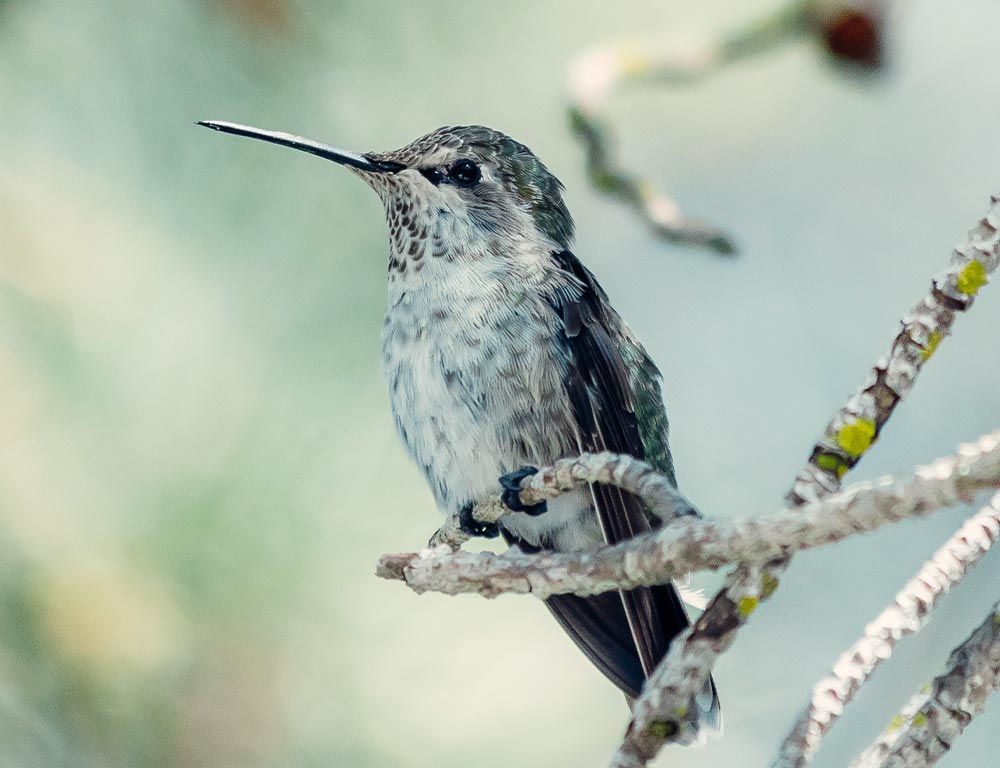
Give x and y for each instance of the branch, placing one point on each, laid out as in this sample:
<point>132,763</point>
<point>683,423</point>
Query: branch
<point>687,666</point>
<point>931,722</point>
<point>875,754</point>
<point>451,536</point>
<point>654,490</point>
<point>905,616</point>
<point>859,423</point>
<point>689,543</point>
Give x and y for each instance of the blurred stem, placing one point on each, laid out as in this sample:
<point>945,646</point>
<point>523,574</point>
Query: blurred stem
<point>594,75</point>
<point>600,71</point>
<point>770,30</point>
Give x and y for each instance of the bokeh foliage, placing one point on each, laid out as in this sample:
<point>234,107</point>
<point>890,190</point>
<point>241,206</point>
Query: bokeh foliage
<point>197,466</point>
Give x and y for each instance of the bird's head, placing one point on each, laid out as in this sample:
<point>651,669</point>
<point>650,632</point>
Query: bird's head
<point>467,185</point>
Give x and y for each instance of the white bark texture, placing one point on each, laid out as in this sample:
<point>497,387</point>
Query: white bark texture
<point>906,615</point>
<point>846,439</point>
<point>931,722</point>
<point>689,543</point>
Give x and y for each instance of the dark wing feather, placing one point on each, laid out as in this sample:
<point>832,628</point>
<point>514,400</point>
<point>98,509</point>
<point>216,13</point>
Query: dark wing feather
<point>599,386</point>
<point>609,378</point>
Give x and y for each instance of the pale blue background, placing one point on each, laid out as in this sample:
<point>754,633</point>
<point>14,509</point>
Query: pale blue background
<point>197,465</point>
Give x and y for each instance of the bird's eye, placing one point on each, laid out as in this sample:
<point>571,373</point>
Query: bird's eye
<point>433,175</point>
<point>465,173</point>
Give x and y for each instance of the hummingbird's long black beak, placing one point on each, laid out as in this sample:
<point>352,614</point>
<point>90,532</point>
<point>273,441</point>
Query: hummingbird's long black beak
<point>341,156</point>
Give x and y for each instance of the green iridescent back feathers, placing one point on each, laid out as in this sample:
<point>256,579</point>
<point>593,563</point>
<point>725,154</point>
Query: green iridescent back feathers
<point>649,409</point>
<point>540,189</point>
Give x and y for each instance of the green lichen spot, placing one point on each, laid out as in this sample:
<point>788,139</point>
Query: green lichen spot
<point>768,583</point>
<point>747,606</point>
<point>972,278</point>
<point>857,437</point>
<point>996,618</point>
<point>919,720</point>
<point>662,730</point>
<point>932,344</point>
<point>830,462</point>
<point>896,723</point>
<point>680,712</point>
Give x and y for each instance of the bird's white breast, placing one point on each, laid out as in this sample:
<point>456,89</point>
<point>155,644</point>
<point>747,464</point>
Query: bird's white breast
<point>475,379</point>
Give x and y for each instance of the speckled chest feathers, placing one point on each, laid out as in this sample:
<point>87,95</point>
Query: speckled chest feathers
<point>472,351</point>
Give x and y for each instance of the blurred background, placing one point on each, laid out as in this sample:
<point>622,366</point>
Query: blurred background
<point>198,468</point>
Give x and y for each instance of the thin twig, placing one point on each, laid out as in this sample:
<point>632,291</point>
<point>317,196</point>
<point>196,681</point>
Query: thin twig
<point>932,720</point>
<point>907,614</point>
<point>657,493</point>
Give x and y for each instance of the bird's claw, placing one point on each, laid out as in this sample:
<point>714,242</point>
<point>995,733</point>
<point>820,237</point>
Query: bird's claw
<point>472,527</point>
<point>511,496</point>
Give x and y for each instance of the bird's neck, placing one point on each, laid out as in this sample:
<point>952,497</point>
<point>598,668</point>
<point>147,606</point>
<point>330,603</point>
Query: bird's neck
<point>439,251</point>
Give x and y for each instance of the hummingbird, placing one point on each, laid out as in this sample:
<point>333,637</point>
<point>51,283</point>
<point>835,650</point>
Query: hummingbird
<point>502,353</point>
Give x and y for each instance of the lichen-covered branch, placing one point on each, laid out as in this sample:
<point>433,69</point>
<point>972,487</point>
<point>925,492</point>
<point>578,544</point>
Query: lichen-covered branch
<point>859,423</point>
<point>850,29</point>
<point>876,752</point>
<point>689,543</point>
<point>932,720</point>
<point>907,614</point>
<point>680,676</point>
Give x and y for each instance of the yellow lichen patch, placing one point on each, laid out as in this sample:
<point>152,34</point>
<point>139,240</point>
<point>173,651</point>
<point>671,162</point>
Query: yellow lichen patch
<point>919,720</point>
<point>971,278</point>
<point>896,723</point>
<point>768,583</point>
<point>856,438</point>
<point>932,344</point>
<point>747,606</point>
<point>662,729</point>
<point>831,463</point>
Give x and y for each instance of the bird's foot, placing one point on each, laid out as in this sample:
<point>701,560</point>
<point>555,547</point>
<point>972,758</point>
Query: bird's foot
<point>511,495</point>
<point>472,527</point>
